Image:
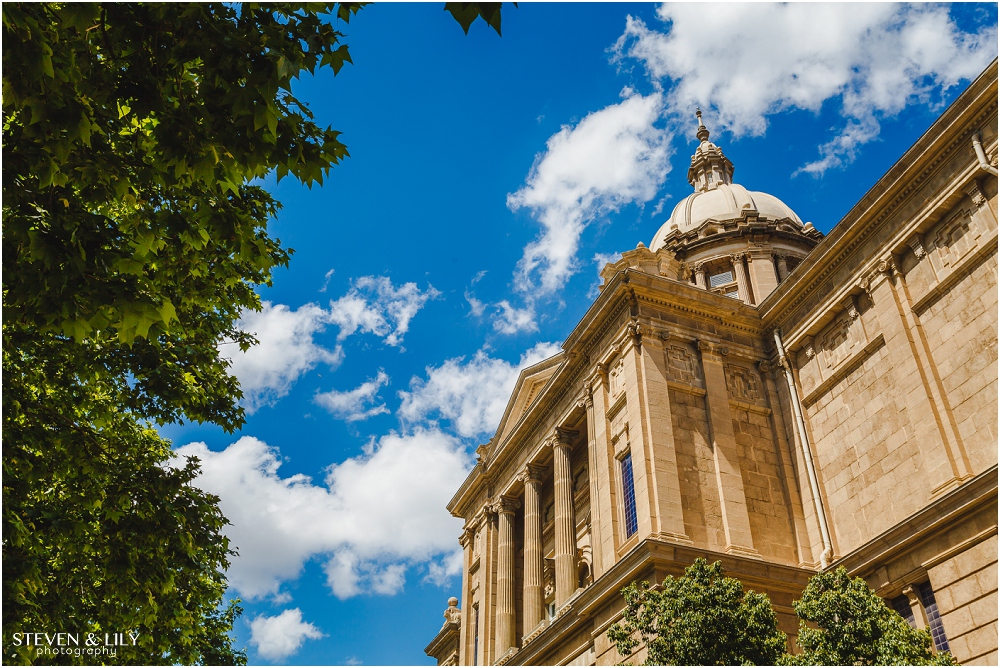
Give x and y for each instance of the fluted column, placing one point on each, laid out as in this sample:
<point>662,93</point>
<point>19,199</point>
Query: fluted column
<point>505,576</point>
<point>565,520</point>
<point>699,276</point>
<point>739,270</point>
<point>534,585</point>
<point>782,267</point>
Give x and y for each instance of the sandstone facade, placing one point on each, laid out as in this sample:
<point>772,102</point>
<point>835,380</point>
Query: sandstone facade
<point>748,391</point>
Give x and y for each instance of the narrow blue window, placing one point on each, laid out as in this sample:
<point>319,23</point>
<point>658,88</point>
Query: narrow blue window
<point>933,617</point>
<point>628,491</point>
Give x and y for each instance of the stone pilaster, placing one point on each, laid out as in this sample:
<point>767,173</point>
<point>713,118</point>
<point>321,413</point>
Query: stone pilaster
<point>658,432</point>
<point>466,630</point>
<point>762,274</point>
<point>592,459</point>
<point>735,514</point>
<point>534,585</point>
<point>945,461</point>
<point>604,503</point>
<point>793,490</point>
<point>742,284</point>
<point>565,520</point>
<point>505,613</point>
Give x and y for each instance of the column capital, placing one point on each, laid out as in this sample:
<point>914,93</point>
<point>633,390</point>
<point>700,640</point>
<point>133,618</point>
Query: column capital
<point>885,269</point>
<point>738,257</point>
<point>710,348</point>
<point>505,505</point>
<point>532,473</point>
<point>699,267</point>
<point>563,437</point>
<point>466,537</point>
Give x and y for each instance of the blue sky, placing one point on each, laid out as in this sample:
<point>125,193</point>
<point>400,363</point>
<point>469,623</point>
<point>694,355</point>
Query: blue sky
<point>489,178</point>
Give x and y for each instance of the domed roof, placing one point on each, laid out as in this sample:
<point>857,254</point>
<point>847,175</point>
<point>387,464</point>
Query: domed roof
<point>727,201</point>
<point>716,197</point>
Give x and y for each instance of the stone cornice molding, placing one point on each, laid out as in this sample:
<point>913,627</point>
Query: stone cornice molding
<point>910,173</point>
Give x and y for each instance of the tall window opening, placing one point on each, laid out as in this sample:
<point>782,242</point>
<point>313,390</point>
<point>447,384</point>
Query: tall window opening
<point>933,617</point>
<point>628,492</point>
<point>901,604</point>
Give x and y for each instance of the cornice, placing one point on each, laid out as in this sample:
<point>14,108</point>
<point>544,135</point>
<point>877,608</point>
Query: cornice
<point>941,513</point>
<point>904,179</point>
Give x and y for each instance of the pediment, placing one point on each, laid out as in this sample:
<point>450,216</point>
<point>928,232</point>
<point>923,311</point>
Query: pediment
<point>529,387</point>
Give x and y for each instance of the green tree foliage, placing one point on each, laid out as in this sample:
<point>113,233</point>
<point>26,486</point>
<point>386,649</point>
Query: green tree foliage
<point>856,628</point>
<point>704,618</point>
<point>133,237</point>
<point>700,618</point>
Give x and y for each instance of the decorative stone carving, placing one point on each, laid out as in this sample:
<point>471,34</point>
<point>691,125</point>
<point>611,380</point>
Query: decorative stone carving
<point>916,243</point>
<point>851,308</point>
<point>452,615</point>
<point>837,342</point>
<point>955,238</point>
<point>807,346</point>
<point>764,366</point>
<point>681,366</point>
<point>742,383</point>
<point>976,194</point>
<point>505,505</point>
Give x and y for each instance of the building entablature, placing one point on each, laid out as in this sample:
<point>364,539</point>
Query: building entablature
<point>903,219</point>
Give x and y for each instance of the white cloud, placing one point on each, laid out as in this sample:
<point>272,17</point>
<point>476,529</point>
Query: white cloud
<point>612,157</point>
<point>476,307</point>
<point>285,351</point>
<point>374,305</point>
<point>373,515</point>
<point>511,320</point>
<point>442,571</point>
<point>281,636</point>
<point>873,58</point>
<point>356,404</point>
<point>471,394</point>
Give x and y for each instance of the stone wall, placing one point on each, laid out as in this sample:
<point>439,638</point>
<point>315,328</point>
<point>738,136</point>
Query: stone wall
<point>965,587</point>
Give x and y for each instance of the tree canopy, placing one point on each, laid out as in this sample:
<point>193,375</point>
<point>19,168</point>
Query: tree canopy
<point>701,618</point>
<point>845,623</point>
<point>705,618</point>
<point>135,137</point>
<point>134,236</point>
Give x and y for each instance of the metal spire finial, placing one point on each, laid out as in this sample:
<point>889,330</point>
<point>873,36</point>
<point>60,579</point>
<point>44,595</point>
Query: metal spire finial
<point>702,133</point>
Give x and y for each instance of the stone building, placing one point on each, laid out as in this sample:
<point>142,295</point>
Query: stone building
<point>747,390</point>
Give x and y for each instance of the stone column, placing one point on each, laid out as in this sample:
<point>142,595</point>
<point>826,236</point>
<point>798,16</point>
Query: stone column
<point>729,477</point>
<point>782,267</point>
<point>466,631</point>
<point>534,584</point>
<point>597,567</point>
<point>699,276</point>
<point>763,277</point>
<point>742,284</point>
<point>506,623</point>
<point>565,521</point>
